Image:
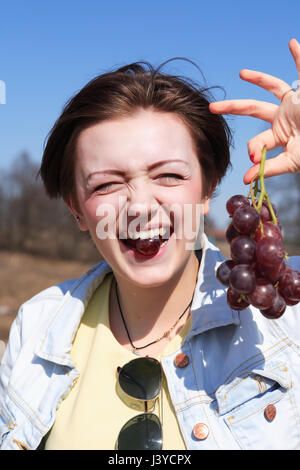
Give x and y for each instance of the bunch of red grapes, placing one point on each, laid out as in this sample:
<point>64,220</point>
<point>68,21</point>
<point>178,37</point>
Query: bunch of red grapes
<point>257,273</point>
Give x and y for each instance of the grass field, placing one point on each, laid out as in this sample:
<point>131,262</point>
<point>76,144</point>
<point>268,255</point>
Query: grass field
<point>22,276</point>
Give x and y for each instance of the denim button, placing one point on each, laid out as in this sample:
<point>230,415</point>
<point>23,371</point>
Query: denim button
<point>201,431</point>
<point>181,360</point>
<point>270,412</point>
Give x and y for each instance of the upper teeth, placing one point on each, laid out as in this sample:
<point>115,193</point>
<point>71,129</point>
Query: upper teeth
<point>147,234</point>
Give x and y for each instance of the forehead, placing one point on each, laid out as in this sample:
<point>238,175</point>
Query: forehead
<point>135,141</point>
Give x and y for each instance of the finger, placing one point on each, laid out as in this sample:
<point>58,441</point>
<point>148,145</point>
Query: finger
<point>253,108</point>
<point>257,143</point>
<point>270,83</point>
<point>295,51</point>
<point>249,175</point>
<point>279,165</point>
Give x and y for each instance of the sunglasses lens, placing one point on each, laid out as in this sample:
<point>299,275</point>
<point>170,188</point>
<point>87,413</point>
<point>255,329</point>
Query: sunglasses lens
<point>141,378</point>
<point>143,432</point>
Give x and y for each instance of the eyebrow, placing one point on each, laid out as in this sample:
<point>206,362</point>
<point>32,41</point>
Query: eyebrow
<point>149,167</point>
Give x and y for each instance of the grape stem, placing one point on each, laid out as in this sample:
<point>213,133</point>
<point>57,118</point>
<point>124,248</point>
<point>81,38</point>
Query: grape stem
<point>262,189</point>
<point>263,193</point>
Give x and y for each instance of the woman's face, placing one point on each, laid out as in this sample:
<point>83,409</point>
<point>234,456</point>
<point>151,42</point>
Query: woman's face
<point>137,173</point>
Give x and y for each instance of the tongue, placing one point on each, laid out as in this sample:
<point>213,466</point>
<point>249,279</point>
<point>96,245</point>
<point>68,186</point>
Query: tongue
<point>147,247</point>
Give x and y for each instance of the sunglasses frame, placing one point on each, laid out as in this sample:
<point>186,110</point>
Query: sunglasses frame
<point>142,400</point>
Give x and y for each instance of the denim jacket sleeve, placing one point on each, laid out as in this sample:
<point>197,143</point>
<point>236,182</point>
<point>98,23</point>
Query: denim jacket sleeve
<point>20,426</point>
<point>37,370</point>
<point>8,360</point>
<point>24,377</point>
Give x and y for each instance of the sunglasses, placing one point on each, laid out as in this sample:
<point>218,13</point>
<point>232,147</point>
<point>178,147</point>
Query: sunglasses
<point>141,379</point>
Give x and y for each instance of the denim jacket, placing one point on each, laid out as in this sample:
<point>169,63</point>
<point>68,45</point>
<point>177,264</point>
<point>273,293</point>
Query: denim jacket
<point>242,380</point>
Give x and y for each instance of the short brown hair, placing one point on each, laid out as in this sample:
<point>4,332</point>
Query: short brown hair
<point>120,93</point>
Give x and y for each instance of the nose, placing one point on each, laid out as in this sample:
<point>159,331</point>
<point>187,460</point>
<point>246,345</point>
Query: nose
<point>141,205</point>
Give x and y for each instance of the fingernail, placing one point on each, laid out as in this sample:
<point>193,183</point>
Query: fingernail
<point>252,157</point>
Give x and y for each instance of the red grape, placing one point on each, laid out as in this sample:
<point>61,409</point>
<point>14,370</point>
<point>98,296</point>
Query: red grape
<point>223,272</point>
<point>269,230</point>
<point>265,213</point>
<point>231,233</point>
<point>234,300</point>
<point>242,278</point>
<point>274,273</point>
<point>263,295</point>
<point>277,309</point>
<point>289,301</point>
<point>245,220</point>
<point>265,204</point>
<point>236,201</point>
<point>269,252</point>
<point>289,284</point>
<point>243,250</point>
<point>149,246</point>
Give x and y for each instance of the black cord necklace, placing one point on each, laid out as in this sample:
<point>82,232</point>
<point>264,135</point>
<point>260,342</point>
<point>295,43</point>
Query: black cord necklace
<point>134,350</point>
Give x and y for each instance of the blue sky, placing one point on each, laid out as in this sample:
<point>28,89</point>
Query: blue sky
<point>51,49</point>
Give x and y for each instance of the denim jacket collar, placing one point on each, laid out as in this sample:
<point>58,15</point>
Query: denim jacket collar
<point>209,307</point>
<point>56,343</point>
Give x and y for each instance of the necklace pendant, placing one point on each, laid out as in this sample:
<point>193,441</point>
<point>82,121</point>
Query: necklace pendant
<point>135,352</point>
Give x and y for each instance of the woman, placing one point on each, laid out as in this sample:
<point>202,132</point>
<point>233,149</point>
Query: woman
<point>137,151</point>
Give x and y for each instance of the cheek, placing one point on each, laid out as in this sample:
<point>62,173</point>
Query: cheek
<point>105,218</point>
<point>187,211</point>
<point>90,212</point>
<point>193,220</point>
<point>195,192</point>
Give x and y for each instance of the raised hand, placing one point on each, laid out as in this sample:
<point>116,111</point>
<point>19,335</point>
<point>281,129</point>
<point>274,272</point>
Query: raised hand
<point>284,120</point>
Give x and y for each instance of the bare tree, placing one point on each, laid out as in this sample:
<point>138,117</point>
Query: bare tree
<point>33,223</point>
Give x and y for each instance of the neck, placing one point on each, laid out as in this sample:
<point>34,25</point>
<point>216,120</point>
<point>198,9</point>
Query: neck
<point>149,312</point>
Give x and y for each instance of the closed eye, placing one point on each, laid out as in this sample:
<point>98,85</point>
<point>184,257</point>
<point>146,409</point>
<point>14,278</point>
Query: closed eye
<point>103,188</point>
<point>171,176</point>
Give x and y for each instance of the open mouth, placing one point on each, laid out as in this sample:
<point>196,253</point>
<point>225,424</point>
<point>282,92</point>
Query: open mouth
<point>147,246</point>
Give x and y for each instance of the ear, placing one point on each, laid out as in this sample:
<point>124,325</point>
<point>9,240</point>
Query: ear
<point>78,216</point>
<point>207,198</point>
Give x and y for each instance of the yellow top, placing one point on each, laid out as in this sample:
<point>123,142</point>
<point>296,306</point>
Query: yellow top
<point>93,413</point>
